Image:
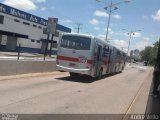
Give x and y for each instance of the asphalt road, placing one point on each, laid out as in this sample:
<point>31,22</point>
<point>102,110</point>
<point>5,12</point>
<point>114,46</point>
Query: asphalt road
<point>60,94</point>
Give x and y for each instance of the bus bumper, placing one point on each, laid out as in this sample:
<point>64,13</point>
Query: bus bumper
<point>80,71</point>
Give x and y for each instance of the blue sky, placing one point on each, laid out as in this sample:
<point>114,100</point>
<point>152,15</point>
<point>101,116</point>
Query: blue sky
<point>141,15</point>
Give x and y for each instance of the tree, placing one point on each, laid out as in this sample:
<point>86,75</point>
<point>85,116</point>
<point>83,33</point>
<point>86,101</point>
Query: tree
<point>149,54</point>
<point>158,54</point>
<point>146,53</point>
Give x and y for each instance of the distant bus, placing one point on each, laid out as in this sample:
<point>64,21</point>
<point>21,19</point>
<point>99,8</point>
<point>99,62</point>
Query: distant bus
<point>81,54</point>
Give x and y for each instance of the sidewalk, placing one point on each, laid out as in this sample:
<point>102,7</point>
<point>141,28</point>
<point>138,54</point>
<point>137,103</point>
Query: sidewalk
<point>14,55</point>
<point>153,104</point>
<point>22,54</point>
<point>144,103</point>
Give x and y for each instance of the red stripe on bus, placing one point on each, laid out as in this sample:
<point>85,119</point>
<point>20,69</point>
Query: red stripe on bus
<point>72,59</point>
<point>68,58</point>
<point>90,61</point>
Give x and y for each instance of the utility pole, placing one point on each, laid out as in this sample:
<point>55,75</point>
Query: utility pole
<point>110,9</point>
<point>78,27</point>
<point>130,34</point>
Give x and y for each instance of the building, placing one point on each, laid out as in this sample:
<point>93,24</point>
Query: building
<point>136,53</point>
<point>18,27</point>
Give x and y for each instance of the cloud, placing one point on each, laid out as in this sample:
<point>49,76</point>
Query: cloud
<point>117,16</point>
<point>141,45</point>
<point>119,43</point>
<point>96,28</point>
<point>43,8</point>
<point>100,13</point>
<point>40,1</point>
<point>144,17</point>
<point>137,34</point>
<point>110,31</point>
<point>156,16</point>
<point>94,22</point>
<point>66,21</point>
<point>23,4</point>
<point>146,39</point>
<point>103,37</point>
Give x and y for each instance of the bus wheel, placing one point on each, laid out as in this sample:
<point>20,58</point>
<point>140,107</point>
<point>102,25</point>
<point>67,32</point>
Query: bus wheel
<point>100,74</point>
<point>74,74</point>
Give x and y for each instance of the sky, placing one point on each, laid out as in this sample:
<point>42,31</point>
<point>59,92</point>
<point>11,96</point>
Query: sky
<point>141,17</point>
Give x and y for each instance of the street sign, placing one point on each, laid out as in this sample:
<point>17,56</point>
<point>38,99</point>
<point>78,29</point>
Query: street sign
<point>51,26</point>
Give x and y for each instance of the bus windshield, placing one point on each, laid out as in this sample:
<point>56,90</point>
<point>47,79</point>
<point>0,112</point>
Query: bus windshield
<point>76,42</point>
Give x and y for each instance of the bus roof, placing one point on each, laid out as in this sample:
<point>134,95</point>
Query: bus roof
<point>78,34</point>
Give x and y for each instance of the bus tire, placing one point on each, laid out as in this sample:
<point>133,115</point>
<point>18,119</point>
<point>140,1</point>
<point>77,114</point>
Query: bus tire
<point>73,74</point>
<point>100,74</point>
<point>115,70</point>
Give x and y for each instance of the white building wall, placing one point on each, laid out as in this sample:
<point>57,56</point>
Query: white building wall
<point>27,43</point>
<point>34,33</point>
<point>14,24</point>
<point>18,27</point>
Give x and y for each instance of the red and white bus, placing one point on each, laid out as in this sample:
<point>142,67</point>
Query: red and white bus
<point>81,54</point>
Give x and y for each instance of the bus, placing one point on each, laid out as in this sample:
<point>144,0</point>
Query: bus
<point>81,54</point>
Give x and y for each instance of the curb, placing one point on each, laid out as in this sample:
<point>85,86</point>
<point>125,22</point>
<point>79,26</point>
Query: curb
<point>13,77</point>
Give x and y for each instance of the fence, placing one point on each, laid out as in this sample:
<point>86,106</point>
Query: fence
<point>22,54</point>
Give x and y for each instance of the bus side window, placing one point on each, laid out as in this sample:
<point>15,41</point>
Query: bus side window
<point>106,51</point>
<point>99,53</point>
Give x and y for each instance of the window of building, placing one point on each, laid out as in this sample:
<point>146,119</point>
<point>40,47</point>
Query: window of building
<point>57,34</point>
<point>34,25</point>
<point>32,40</point>
<point>38,41</point>
<point>54,45</point>
<point>1,19</point>
<point>44,30</point>
<point>39,27</point>
<point>16,20</point>
<point>25,23</point>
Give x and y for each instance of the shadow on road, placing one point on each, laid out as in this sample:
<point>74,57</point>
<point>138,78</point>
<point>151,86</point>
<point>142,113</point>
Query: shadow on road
<point>81,79</point>
<point>84,79</point>
<point>153,104</point>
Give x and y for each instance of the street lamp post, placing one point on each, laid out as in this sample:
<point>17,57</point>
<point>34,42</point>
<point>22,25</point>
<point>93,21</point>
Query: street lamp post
<point>110,10</point>
<point>130,36</point>
<point>130,33</point>
<point>112,7</point>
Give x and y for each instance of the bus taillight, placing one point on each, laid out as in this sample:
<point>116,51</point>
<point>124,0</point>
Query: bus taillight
<point>90,62</point>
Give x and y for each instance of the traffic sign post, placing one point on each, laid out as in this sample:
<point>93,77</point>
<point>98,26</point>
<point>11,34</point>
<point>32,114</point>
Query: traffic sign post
<point>51,29</point>
<point>51,26</point>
